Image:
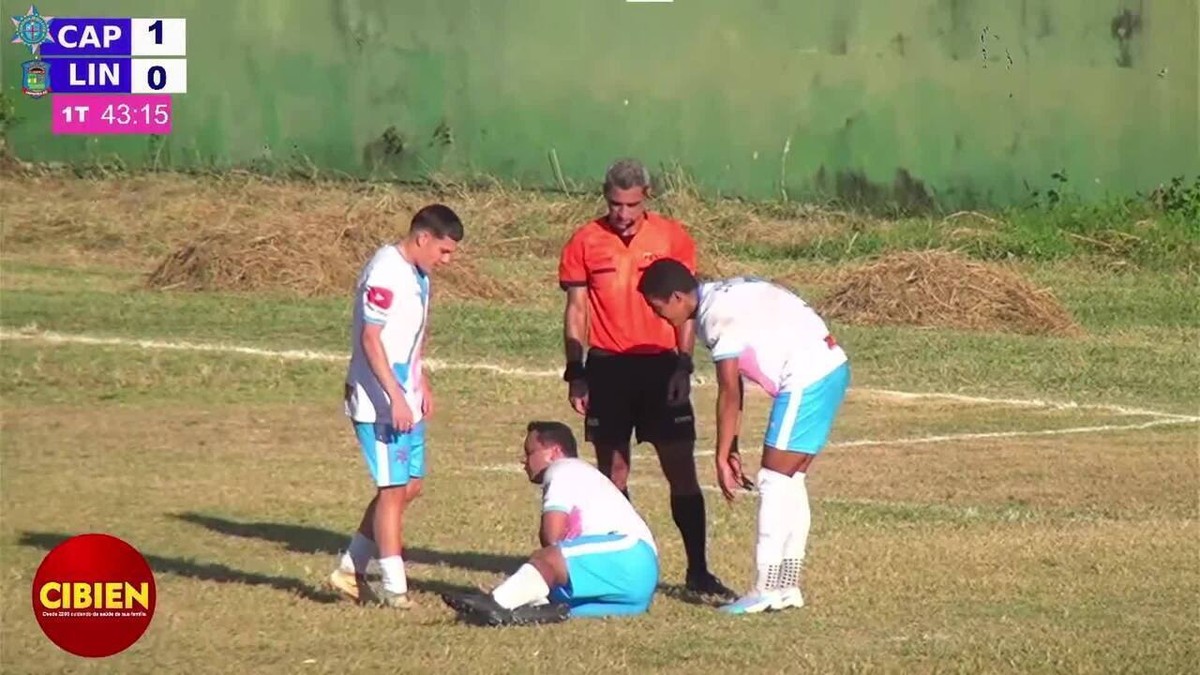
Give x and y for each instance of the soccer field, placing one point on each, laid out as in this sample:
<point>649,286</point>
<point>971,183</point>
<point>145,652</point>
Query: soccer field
<point>988,503</point>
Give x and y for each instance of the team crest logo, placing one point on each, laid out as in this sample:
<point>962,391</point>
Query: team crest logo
<point>35,78</point>
<point>33,30</point>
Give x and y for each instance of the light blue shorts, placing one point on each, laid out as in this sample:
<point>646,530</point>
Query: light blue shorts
<point>801,421</point>
<point>609,575</point>
<point>394,459</point>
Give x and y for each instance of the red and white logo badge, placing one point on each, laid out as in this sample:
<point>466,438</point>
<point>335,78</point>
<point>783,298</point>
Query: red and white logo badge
<point>94,595</point>
<point>379,297</point>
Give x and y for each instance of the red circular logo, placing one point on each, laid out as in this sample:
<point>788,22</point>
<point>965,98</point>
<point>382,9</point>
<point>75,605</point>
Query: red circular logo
<point>94,595</point>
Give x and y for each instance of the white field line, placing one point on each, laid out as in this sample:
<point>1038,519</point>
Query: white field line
<point>967,510</point>
<point>437,364</point>
<point>633,482</point>
<point>921,440</point>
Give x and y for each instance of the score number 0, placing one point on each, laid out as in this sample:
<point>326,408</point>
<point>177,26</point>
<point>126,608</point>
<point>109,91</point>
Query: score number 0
<point>159,37</point>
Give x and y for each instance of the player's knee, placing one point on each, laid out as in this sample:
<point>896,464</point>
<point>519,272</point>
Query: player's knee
<point>414,490</point>
<point>551,564</point>
<point>392,497</point>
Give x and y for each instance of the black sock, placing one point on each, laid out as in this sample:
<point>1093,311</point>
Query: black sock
<point>688,512</point>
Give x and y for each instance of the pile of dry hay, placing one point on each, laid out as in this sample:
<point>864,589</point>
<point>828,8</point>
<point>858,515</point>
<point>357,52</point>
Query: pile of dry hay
<point>945,289</point>
<point>308,261</point>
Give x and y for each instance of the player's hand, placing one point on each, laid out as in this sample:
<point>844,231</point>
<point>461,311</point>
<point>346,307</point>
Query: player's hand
<point>739,476</point>
<point>679,388</point>
<point>402,417</point>
<point>727,478</point>
<point>577,394</point>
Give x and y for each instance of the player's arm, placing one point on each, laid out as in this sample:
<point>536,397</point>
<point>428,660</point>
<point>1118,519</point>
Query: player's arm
<point>556,505</point>
<point>685,338</point>
<point>553,528</point>
<point>378,299</point>
<point>729,406</point>
<point>684,250</point>
<point>422,351</point>
<point>377,358</point>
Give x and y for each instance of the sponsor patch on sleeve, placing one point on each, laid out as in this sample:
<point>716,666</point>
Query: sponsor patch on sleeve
<point>379,298</point>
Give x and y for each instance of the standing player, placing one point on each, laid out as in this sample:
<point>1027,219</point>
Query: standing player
<point>637,374</point>
<point>598,557</point>
<point>388,396</point>
<point>760,331</point>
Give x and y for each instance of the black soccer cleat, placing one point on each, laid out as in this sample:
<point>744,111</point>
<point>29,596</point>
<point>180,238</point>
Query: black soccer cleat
<point>706,583</point>
<point>457,601</point>
<point>483,610</point>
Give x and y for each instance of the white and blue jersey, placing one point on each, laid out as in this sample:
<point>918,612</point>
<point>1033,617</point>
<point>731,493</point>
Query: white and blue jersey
<point>612,560</point>
<point>782,345</point>
<point>392,293</point>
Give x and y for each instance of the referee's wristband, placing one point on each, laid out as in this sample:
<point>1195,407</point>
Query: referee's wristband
<point>685,364</point>
<point>574,371</point>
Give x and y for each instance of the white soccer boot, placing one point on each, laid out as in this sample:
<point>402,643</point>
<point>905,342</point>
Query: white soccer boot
<point>787,598</point>
<point>752,603</point>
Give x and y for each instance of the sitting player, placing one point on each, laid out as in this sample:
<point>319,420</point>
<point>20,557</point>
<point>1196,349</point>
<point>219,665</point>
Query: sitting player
<point>765,333</point>
<point>598,557</point>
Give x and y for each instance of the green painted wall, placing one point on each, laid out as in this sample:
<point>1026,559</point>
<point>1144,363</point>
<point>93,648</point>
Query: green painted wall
<point>967,101</point>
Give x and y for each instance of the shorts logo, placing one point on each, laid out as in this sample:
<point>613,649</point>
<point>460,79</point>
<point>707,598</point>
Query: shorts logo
<point>94,595</point>
<point>379,297</point>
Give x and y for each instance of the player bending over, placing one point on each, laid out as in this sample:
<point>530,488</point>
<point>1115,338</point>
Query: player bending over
<point>388,396</point>
<point>765,333</point>
<point>598,557</point>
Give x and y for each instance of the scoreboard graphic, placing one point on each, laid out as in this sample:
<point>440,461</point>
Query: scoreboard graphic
<point>104,75</point>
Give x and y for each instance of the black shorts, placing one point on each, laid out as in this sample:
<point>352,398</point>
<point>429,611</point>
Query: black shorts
<point>627,393</point>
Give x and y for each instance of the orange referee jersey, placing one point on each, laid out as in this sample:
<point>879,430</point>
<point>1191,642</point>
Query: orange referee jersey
<point>595,256</point>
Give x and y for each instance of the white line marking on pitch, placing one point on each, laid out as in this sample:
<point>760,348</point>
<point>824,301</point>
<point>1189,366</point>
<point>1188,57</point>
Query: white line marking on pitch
<point>437,364</point>
<point>920,440</point>
<point>966,510</point>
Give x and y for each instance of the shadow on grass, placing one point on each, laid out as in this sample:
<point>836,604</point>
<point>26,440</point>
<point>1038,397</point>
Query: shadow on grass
<point>681,593</point>
<point>316,540</point>
<point>198,570</point>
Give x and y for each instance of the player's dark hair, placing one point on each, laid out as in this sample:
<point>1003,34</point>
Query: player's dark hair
<point>439,220</point>
<point>554,433</point>
<point>664,277</point>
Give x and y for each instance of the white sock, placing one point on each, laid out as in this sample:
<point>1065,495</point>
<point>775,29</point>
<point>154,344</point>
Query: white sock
<point>797,540</point>
<point>394,579</point>
<point>358,556</point>
<point>526,585</point>
<point>772,528</point>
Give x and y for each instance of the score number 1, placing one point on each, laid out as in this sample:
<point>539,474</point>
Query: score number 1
<point>158,37</point>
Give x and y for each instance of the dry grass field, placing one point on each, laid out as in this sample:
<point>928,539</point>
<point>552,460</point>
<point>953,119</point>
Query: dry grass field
<point>173,347</point>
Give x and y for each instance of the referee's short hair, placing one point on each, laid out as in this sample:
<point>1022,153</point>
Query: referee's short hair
<point>665,277</point>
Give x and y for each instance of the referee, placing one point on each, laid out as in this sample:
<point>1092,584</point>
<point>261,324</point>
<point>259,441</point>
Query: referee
<point>637,373</point>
